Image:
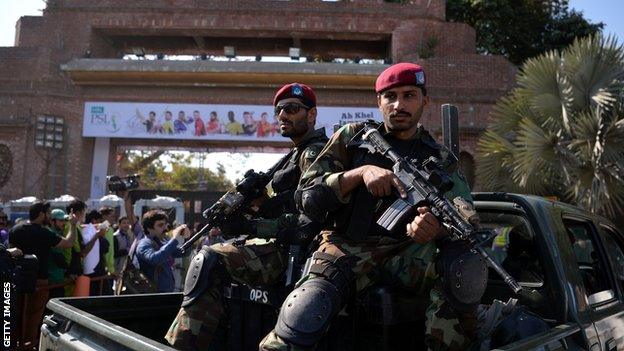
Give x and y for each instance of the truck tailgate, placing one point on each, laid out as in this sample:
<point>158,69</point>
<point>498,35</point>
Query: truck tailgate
<point>130,322</point>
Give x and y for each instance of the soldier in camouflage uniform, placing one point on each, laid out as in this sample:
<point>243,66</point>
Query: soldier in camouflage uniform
<point>352,188</point>
<point>256,261</point>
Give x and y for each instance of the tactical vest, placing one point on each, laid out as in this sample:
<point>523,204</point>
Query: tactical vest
<point>359,218</point>
<point>285,181</point>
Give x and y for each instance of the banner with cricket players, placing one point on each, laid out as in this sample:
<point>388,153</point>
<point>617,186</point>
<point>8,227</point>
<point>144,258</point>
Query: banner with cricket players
<point>202,121</point>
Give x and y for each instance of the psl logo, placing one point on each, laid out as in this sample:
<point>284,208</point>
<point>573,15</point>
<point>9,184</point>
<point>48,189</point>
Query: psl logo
<point>98,116</point>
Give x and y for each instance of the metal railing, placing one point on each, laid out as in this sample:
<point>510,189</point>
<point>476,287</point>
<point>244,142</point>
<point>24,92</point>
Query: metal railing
<point>24,340</point>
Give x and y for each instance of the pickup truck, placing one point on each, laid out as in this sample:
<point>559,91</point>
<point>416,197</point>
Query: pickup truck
<point>569,262</point>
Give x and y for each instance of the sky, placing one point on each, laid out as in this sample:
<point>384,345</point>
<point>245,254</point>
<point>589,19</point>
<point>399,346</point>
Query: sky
<point>607,11</point>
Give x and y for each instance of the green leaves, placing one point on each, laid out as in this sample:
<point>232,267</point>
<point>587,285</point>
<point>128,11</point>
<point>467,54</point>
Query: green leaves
<point>562,131</point>
<point>521,29</point>
<point>169,170</point>
<point>594,69</point>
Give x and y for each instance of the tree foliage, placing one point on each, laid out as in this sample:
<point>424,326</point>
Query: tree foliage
<point>521,29</point>
<point>162,170</point>
<point>561,131</point>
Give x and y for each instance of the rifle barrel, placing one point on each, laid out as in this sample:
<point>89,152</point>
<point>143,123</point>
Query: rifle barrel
<point>196,237</point>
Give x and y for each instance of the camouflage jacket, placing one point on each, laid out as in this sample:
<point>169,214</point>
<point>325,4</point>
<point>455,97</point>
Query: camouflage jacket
<point>277,211</point>
<point>342,153</point>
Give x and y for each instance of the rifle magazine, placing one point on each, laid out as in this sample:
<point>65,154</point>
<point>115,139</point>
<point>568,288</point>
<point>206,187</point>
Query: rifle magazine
<point>394,214</point>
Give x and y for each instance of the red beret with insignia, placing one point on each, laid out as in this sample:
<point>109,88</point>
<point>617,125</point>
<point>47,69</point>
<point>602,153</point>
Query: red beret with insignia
<point>400,74</point>
<point>296,90</point>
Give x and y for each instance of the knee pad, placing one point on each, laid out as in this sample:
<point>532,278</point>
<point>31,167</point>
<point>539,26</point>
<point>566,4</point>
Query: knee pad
<point>309,309</point>
<point>464,276</point>
<point>200,274</point>
<point>307,312</point>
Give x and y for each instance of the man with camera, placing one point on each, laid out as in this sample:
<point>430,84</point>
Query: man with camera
<point>253,261</point>
<point>35,239</point>
<point>154,252</point>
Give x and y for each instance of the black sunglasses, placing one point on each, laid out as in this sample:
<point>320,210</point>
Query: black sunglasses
<point>290,108</point>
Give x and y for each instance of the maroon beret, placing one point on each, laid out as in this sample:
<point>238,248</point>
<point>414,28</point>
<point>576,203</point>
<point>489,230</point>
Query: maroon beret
<point>400,74</point>
<point>296,90</point>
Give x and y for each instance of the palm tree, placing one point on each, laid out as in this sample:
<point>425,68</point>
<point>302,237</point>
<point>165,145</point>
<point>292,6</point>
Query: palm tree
<point>561,131</point>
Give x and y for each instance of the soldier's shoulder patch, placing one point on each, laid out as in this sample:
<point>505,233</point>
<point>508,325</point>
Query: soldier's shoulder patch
<point>312,152</point>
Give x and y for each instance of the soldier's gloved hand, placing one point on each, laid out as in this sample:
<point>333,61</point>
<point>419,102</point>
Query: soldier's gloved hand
<point>300,231</point>
<point>425,227</point>
<point>238,225</point>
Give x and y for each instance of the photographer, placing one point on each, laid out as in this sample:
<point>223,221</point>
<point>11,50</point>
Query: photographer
<point>155,254</point>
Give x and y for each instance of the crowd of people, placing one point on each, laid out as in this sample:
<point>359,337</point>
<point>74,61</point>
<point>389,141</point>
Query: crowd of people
<point>82,251</point>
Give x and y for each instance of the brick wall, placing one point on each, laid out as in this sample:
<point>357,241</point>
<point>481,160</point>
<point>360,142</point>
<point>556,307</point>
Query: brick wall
<point>15,138</point>
<point>32,82</point>
<point>411,8</point>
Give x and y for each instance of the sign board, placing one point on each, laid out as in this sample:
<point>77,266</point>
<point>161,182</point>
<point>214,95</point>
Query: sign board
<point>202,121</point>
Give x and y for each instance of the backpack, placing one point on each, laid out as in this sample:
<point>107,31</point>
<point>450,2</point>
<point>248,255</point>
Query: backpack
<point>132,279</point>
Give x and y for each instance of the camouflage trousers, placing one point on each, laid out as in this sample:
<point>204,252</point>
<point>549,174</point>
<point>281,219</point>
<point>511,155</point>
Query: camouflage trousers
<point>407,264</point>
<point>255,262</point>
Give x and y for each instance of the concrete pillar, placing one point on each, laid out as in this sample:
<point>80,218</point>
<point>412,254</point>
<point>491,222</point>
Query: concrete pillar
<point>99,168</point>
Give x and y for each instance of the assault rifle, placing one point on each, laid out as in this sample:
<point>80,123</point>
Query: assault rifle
<point>426,185</point>
<point>237,200</point>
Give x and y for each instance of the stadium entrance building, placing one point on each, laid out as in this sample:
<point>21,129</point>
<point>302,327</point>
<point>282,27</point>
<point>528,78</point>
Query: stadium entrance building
<point>87,79</point>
